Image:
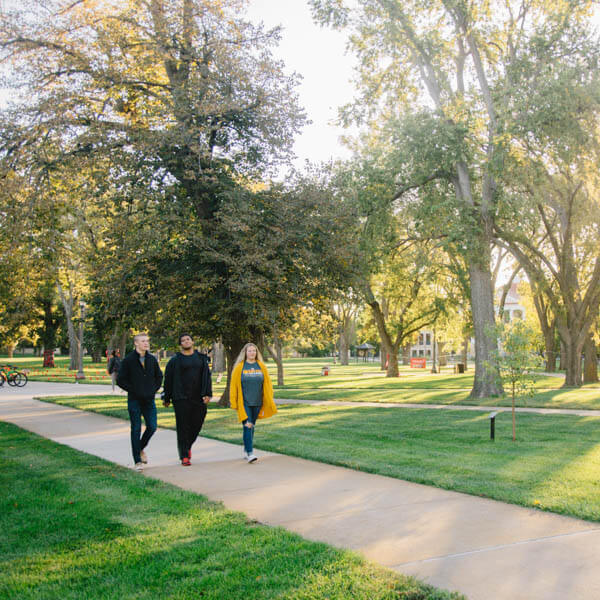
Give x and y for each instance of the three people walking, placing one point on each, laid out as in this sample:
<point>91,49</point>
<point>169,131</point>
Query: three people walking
<point>251,394</point>
<point>140,376</point>
<point>188,385</point>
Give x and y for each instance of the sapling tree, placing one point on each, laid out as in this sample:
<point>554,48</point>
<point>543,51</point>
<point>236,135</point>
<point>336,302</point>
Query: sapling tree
<point>517,360</point>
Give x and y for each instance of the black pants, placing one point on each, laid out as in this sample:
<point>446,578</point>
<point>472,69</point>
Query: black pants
<point>189,418</point>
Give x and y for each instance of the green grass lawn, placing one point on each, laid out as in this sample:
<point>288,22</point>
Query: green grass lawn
<point>363,382</point>
<point>553,465</point>
<point>94,372</point>
<point>75,526</point>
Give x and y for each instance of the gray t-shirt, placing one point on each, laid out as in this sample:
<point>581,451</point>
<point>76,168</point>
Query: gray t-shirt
<point>252,384</point>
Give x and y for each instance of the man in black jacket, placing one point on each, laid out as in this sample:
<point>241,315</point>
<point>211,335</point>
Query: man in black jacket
<point>188,384</point>
<point>140,376</point>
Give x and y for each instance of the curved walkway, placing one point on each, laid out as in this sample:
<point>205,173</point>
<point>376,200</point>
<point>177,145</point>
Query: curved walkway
<point>486,549</point>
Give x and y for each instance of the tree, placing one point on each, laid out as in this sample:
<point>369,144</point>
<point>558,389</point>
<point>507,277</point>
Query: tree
<point>590,362</point>
<point>557,248</point>
<point>183,94</point>
<point>344,310</point>
<point>19,268</point>
<point>461,59</point>
<point>517,360</point>
<point>52,319</point>
<point>549,215</point>
<point>312,326</point>
<point>179,108</point>
<point>403,300</point>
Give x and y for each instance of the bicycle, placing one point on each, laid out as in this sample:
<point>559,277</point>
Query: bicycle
<point>13,376</point>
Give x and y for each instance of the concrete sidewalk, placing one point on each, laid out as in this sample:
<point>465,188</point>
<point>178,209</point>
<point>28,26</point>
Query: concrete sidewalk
<point>485,549</point>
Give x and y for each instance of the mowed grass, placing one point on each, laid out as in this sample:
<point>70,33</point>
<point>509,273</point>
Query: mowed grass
<point>75,526</point>
<point>554,464</point>
<point>95,372</point>
<point>364,382</point>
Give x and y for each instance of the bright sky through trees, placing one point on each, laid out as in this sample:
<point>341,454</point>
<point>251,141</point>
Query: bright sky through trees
<point>318,54</point>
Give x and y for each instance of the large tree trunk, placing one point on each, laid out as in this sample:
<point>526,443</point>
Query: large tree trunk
<point>465,351</point>
<point>344,349</point>
<point>549,351</point>
<point>572,366</point>
<point>575,334</point>
<point>10,349</point>
<point>383,353</point>
<point>590,363</point>
<point>276,352</point>
<point>123,343</point>
<point>547,324</point>
<point>562,365</point>
<point>232,349</point>
<point>73,339</point>
<point>50,325</point>
<point>390,348</point>
<point>218,357</point>
<point>486,379</point>
<point>392,370</point>
<point>573,349</point>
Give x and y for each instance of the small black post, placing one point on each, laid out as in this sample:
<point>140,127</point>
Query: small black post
<point>493,426</point>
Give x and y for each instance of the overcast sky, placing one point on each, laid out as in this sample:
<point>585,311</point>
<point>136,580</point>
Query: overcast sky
<point>318,54</point>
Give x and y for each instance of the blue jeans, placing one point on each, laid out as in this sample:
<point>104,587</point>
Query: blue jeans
<point>248,436</point>
<point>136,410</point>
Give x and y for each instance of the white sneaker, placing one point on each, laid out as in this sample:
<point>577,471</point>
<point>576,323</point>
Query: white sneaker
<point>244,453</point>
<point>144,457</point>
<point>139,466</point>
<point>251,457</point>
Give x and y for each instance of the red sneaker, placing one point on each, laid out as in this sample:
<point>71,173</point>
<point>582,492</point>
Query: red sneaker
<point>186,461</point>
<point>190,454</point>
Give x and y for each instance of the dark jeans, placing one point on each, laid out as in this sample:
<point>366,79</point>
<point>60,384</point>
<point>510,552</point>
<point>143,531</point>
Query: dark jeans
<point>248,435</point>
<point>189,418</point>
<point>136,409</point>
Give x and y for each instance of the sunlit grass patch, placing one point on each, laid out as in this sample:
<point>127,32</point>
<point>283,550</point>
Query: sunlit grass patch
<point>75,526</point>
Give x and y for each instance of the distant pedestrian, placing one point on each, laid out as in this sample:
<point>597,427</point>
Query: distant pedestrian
<point>114,364</point>
<point>188,385</point>
<point>251,394</point>
<point>140,376</point>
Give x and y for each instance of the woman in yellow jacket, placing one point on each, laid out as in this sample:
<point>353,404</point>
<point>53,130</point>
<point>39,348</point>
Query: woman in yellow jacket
<point>251,394</point>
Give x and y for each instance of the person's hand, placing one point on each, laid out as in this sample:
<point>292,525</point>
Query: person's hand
<point>206,399</point>
<point>166,403</point>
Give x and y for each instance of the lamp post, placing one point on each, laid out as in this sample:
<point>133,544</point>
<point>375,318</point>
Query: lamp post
<point>80,374</point>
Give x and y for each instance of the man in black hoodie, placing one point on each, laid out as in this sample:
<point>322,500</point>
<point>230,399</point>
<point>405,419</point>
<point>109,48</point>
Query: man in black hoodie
<point>188,384</point>
<point>140,376</point>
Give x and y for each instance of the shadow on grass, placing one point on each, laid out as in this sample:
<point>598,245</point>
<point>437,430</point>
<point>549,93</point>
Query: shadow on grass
<point>75,526</point>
